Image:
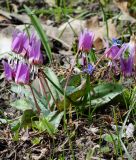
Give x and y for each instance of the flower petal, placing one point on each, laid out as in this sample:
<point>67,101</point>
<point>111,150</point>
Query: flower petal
<point>22,74</point>
<point>7,71</point>
<point>85,40</point>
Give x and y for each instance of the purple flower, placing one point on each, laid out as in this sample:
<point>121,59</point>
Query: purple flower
<point>85,41</point>
<point>127,55</point>
<point>35,56</point>
<point>126,66</point>
<point>115,41</point>
<point>89,69</point>
<point>22,74</point>
<point>112,52</point>
<point>8,71</point>
<point>19,43</point>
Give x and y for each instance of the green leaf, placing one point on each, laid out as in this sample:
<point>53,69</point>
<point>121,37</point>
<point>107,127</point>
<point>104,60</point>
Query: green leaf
<point>26,119</point>
<point>21,90</point>
<point>22,104</point>
<point>104,93</point>
<point>56,118</point>
<point>110,138</point>
<point>37,24</point>
<point>74,95</point>
<point>54,78</point>
<point>15,125</point>
<point>44,125</point>
<point>3,121</point>
<point>74,81</point>
<point>36,141</point>
<point>105,149</point>
<point>92,56</point>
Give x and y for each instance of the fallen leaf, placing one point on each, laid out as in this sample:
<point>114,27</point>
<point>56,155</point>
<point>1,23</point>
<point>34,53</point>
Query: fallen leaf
<point>123,6</point>
<point>130,130</point>
<point>70,29</point>
<point>100,31</point>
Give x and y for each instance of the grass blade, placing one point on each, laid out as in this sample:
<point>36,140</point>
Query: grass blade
<point>36,23</point>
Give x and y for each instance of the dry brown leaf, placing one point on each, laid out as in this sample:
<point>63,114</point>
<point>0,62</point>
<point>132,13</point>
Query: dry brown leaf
<point>100,31</point>
<point>123,6</point>
<point>3,18</point>
<point>6,39</point>
<point>69,29</point>
<point>133,42</point>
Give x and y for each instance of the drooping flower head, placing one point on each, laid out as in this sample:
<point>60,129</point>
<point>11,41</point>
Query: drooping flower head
<point>34,53</point>
<point>19,42</point>
<point>112,52</point>
<point>22,74</point>
<point>127,54</point>
<point>126,66</point>
<point>19,67</point>
<point>19,72</point>
<point>85,41</point>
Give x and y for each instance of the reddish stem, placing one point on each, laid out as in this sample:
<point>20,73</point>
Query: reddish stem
<point>44,91</point>
<point>36,104</point>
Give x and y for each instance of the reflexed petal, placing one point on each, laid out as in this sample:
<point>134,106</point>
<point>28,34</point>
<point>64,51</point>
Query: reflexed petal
<point>22,74</point>
<point>7,71</point>
<point>112,52</point>
<point>126,65</point>
<point>35,56</point>
<point>85,40</point>
<point>18,42</point>
<point>122,50</point>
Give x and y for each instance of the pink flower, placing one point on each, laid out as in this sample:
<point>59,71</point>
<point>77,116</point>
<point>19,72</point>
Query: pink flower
<point>127,55</point>
<point>19,43</point>
<point>22,74</point>
<point>35,56</point>
<point>85,41</point>
<point>112,52</point>
<point>8,71</point>
<point>126,65</point>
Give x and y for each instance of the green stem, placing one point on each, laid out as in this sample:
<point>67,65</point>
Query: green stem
<point>105,20</point>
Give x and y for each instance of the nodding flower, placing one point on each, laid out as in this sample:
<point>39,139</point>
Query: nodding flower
<point>22,75</point>
<point>20,67</point>
<point>112,52</point>
<point>34,53</point>
<point>19,43</point>
<point>126,65</point>
<point>85,41</point>
<point>127,55</point>
<point>27,47</point>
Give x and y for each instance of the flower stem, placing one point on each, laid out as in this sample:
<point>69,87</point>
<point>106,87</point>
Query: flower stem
<point>44,90</point>
<point>100,60</point>
<point>49,89</point>
<point>72,66</point>
<point>36,104</point>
